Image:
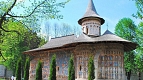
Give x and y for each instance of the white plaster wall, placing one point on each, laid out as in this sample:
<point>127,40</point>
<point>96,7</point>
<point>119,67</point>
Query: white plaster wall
<point>93,27</point>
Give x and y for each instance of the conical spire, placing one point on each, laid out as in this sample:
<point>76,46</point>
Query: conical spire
<point>90,10</point>
<point>91,13</point>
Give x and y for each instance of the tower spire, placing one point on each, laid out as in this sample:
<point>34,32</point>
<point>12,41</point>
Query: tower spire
<point>91,22</point>
<point>90,9</point>
<point>91,12</point>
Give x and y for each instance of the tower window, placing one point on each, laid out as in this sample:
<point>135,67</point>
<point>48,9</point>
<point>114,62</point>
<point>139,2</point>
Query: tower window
<point>87,30</point>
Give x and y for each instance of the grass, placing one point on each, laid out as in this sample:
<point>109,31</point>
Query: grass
<point>3,79</point>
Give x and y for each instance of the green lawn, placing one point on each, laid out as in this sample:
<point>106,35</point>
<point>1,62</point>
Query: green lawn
<point>3,79</point>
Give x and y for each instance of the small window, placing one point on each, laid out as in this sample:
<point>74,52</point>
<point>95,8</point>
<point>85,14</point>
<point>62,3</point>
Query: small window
<point>58,68</point>
<point>80,68</point>
<point>87,30</point>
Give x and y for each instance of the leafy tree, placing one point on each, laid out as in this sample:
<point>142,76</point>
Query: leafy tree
<point>53,68</point>
<point>13,45</point>
<point>28,12</point>
<point>26,69</point>
<point>39,71</point>
<point>139,5</point>
<point>91,68</point>
<point>139,50</point>
<point>18,70</point>
<point>71,69</point>
<point>126,29</point>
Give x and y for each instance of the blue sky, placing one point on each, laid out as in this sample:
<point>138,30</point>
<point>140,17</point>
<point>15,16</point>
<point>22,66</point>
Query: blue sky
<point>111,10</point>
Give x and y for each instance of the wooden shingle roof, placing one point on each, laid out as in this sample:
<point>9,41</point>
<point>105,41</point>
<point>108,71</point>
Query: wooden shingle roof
<point>107,37</point>
<point>91,13</point>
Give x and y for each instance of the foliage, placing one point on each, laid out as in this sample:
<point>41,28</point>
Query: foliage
<point>139,5</point>
<point>39,71</point>
<point>52,75</point>
<point>139,60</point>
<point>71,69</point>
<point>13,45</point>
<point>18,70</point>
<point>139,50</point>
<point>26,69</point>
<point>126,29</point>
<point>91,69</point>
<point>29,12</point>
<point>140,34</point>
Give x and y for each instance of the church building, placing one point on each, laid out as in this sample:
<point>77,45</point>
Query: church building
<point>107,50</point>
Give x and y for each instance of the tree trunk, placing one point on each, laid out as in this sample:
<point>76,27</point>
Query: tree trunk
<point>139,76</point>
<point>129,75</point>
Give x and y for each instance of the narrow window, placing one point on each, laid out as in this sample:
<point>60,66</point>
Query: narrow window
<point>86,30</point>
<point>80,67</point>
<point>58,68</point>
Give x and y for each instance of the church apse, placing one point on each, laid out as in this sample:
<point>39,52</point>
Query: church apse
<point>110,62</point>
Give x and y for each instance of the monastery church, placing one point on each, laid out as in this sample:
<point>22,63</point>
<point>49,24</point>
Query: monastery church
<point>107,50</point>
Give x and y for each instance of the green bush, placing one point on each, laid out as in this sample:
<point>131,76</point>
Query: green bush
<point>71,69</point>
<point>18,70</point>
<point>91,68</point>
<point>53,68</point>
<point>26,69</point>
<point>39,71</point>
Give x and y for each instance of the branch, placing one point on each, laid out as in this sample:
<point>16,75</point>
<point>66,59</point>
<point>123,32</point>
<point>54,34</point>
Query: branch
<point>2,56</point>
<point>4,15</point>
<point>9,9</point>
<point>29,13</point>
<point>23,24</point>
<point>9,30</point>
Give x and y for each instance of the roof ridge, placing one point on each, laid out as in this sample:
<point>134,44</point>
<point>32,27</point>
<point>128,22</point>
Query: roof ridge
<point>63,36</point>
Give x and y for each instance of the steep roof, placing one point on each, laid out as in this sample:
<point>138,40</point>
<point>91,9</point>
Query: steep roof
<point>91,13</point>
<point>56,42</point>
<point>91,10</point>
<point>107,37</point>
<point>107,32</point>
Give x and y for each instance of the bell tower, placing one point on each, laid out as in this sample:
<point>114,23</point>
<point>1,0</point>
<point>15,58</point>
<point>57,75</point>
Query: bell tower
<point>91,22</point>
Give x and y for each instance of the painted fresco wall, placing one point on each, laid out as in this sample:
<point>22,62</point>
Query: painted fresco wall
<point>62,58</point>
<point>108,60</point>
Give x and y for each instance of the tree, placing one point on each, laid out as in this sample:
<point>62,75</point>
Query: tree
<point>18,70</point>
<point>26,69</point>
<point>139,61</point>
<point>126,29</point>
<point>139,50</point>
<point>66,29</point>
<point>71,69</point>
<point>53,68</point>
<point>139,5</point>
<point>13,45</point>
<point>28,14</point>
<point>39,71</point>
<point>91,68</point>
